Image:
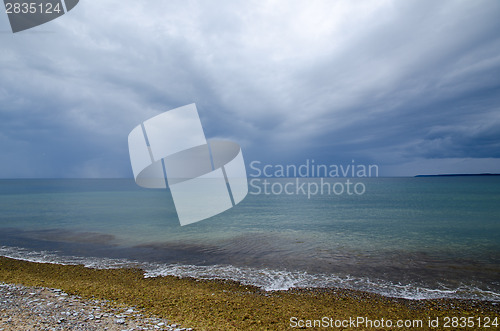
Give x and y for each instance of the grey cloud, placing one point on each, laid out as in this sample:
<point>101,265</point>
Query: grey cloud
<point>384,81</point>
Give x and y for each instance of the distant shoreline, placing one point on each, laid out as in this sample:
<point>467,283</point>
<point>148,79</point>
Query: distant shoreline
<point>458,175</point>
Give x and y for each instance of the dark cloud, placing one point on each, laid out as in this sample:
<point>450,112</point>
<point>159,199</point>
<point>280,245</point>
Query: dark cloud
<point>396,83</point>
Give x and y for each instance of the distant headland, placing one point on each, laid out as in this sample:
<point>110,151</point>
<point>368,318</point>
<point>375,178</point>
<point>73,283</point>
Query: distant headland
<point>458,175</point>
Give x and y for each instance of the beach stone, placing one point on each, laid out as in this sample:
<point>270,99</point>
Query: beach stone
<point>22,310</point>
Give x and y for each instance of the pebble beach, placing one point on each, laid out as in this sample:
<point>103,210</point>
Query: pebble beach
<point>43,296</point>
<point>41,308</point>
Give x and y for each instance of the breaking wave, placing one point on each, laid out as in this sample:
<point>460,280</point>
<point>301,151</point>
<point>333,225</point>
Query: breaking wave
<point>266,279</point>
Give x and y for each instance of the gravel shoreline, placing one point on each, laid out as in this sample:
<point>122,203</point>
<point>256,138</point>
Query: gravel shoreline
<point>41,308</point>
<point>123,299</point>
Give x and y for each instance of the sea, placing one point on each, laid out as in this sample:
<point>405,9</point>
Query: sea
<point>417,238</point>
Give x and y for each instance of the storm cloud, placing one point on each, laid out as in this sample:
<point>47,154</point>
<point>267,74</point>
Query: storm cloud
<point>413,86</point>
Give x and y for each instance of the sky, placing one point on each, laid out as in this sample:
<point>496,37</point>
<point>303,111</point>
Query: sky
<point>411,86</point>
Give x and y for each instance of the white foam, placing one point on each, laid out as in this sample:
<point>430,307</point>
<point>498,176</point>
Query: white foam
<point>267,279</point>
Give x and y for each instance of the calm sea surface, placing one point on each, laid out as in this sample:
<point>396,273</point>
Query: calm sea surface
<point>405,237</point>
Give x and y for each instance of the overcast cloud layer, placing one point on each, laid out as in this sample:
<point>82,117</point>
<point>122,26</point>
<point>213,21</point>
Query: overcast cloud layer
<point>413,86</point>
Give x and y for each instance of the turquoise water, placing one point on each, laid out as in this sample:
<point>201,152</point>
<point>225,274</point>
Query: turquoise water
<point>405,237</point>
